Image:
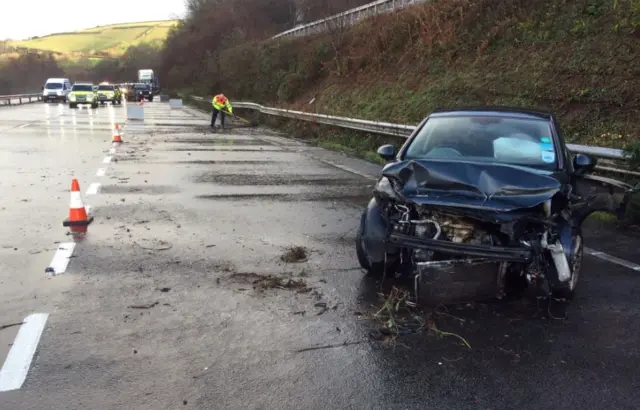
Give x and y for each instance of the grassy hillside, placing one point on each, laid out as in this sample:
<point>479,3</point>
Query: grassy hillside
<point>577,58</point>
<point>112,39</point>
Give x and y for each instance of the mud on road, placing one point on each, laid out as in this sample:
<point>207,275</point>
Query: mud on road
<point>223,275</point>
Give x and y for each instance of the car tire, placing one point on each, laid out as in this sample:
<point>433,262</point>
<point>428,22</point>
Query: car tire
<point>94,105</point>
<point>376,269</point>
<point>73,106</point>
<point>567,291</point>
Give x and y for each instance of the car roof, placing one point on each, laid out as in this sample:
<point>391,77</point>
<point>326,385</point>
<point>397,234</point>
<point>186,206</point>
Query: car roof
<point>498,111</point>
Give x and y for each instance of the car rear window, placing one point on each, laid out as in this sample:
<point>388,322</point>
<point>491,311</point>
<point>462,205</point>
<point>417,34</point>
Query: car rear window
<point>82,87</point>
<point>105,88</point>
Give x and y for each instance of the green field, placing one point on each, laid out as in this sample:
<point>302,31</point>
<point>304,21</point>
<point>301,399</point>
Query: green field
<point>113,39</point>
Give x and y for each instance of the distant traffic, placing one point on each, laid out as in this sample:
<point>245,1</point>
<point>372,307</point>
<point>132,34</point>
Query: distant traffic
<point>94,95</point>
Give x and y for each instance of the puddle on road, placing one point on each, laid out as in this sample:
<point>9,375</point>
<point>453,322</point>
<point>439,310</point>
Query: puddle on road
<point>230,149</point>
<point>273,179</point>
<point>218,141</point>
<point>230,162</point>
<point>354,198</point>
<point>140,189</point>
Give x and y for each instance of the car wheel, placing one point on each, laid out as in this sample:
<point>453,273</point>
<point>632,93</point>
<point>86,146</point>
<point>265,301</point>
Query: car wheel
<point>94,105</point>
<point>567,290</point>
<point>375,269</point>
<point>72,106</point>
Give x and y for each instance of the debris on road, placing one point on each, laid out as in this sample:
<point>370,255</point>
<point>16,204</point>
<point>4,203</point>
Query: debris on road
<point>400,317</point>
<point>11,325</point>
<point>307,349</point>
<point>263,282</point>
<point>295,254</point>
<point>149,306</point>
<point>165,290</point>
<point>157,245</point>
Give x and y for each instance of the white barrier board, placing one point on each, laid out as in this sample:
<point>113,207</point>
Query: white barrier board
<point>135,112</point>
<point>175,103</point>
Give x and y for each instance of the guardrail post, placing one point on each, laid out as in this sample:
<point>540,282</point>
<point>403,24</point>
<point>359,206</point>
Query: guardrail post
<point>19,100</point>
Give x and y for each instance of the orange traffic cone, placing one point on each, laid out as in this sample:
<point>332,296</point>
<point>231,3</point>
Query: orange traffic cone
<point>116,135</point>
<point>78,220</point>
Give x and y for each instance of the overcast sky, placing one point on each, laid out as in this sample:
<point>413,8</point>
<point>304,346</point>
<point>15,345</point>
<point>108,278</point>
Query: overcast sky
<point>20,19</point>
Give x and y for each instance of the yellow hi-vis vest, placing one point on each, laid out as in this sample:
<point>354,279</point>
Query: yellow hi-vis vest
<point>220,101</point>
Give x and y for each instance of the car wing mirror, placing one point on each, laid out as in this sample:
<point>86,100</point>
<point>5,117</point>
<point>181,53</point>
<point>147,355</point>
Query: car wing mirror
<point>583,163</point>
<point>387,152</point>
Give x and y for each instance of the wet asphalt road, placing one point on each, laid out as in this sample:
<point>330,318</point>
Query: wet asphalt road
<point>159,308</point>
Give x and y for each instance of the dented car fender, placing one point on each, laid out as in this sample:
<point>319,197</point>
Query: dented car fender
<point>374,232</point>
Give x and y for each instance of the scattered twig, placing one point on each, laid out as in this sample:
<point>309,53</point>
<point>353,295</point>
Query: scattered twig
<point>307,349</point>
<point>149,306</point>
<point>164,248</point>
<point>11,325</point>
<point>441,333</point>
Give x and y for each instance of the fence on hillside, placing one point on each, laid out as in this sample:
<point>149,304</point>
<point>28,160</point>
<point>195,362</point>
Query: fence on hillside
<point>348,17</point>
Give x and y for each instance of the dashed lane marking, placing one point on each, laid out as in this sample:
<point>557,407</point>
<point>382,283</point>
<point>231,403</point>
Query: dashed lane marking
<point>612,259</point>
<point>93,189</point>
<point>106,160</point>
<point>16,366</point>
<point>101,172</point>
<point>61,259</point>
<point>23,125</point>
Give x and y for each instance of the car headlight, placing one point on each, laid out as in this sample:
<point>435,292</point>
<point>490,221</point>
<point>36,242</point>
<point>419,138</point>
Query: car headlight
<point>72,97</point>
<point>90,96</point>
<point>384,187</point>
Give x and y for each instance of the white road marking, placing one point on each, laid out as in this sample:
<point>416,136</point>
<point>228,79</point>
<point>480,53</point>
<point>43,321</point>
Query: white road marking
<point>16,366</point>
<point>93,188</point>
<point>101,172</point>
<point>112,150</point>
<point>60,260</point>
<point>106,160</point>
<point>612,259</point>
<point>23,125</point>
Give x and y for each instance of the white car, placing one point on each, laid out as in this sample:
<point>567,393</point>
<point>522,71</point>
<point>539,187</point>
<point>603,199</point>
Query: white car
<point>56,89</point>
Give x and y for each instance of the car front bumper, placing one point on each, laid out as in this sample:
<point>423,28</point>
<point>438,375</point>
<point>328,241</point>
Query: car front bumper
<point>86,102</point>
<point>54,97</point>
<point>494,253</point>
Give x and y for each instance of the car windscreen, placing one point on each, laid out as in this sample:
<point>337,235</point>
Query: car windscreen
<point>141,86</point>
<point>53,86</point>
<point>105,88</point>
<point>494,139</point>
<point>82,87</point>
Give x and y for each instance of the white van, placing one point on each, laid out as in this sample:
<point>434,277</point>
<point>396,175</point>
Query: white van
<point>56,89</point>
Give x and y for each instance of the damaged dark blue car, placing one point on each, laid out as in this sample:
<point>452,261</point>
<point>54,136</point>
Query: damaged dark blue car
<point>482,201</point>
